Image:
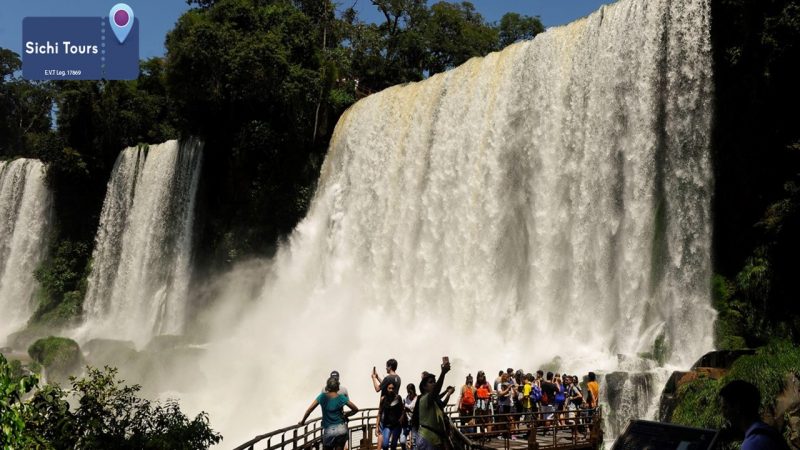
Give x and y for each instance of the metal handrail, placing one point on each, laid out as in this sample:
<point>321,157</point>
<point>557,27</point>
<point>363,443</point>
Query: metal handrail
<point>311,435</point>
<point>360,429</point>
<point>529,423</point>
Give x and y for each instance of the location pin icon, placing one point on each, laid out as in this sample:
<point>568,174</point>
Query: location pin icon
<point>121,18</point>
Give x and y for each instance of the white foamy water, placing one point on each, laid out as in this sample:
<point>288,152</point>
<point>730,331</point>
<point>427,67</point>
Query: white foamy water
<point>550,199</point>
<point>25,219</point>
<point>138,286</point>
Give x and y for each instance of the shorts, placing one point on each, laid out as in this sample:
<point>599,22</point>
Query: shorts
<point>482,404</point>
<point>548,411</point>
<point>334,436</point>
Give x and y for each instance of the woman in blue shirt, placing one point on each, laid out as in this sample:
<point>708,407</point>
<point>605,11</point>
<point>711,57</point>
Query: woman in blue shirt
<point>334,426</point>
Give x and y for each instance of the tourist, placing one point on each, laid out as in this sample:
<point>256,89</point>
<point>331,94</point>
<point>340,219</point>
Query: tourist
<point>391,377</point>
<point>527,401</point>
<point>536,393</point>
<point>548,402</point>
<point>390,417</point>
<point>519,381</point>
<point>466,403</point>
<point>574,396</point>
<point>497,380</point>
<point>592,391</point>
<point>408,407</point>
<point>561,398</point>
<point>505,394</point>
<point>342,389</point>
<point>483,393</point>
<point>739,403</point>
<point>429,413</point>
<point>334,426</point>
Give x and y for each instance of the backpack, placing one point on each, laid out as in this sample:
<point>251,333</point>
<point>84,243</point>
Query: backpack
<point>536,393</point>
<point>483,392</point>
<point>467,396</point>
<point>545,398</point>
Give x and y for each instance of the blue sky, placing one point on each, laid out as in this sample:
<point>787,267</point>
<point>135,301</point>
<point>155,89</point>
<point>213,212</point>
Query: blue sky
<point>156,17</point>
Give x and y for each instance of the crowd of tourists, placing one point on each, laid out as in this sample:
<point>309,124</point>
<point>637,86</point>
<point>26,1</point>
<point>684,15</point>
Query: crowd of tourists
<point>418,421</point>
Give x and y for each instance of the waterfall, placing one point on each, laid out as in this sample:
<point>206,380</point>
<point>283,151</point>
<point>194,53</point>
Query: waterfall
<point>25,218</point>
<point>552,199</point>
<point>138,285</point>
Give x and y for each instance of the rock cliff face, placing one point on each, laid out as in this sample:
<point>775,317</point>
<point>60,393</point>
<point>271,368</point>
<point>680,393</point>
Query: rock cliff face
<point>782,412</point>
<point>786,414</point>
<point>712,365</point>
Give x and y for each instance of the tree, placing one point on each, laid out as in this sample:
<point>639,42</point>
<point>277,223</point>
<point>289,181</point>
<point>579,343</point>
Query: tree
<point>13,387</point>
<point>25,107</point>
<point>515,27</point>
<point>455,33</point>
<point>98,412</point>
<point>258,82</point>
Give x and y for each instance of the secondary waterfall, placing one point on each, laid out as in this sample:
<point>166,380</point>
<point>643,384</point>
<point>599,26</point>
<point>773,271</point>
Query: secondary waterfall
<point>25,218</point>
<point>552,199</point>
<point>140,274</point>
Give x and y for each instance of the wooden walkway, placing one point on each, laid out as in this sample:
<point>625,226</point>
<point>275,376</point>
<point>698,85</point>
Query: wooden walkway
<point>482,432</point>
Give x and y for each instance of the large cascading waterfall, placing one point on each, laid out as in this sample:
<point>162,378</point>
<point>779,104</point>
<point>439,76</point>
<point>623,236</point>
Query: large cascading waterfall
<point>138,286</point>
<point>550,199</point>
<point>25,218</point>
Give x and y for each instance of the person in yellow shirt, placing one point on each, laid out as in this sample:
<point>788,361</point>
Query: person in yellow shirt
<point>594,391</point>
<point>527,403</point>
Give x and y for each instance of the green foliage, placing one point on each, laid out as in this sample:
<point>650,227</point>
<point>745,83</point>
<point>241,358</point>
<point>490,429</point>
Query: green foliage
<point>54,351</point>
<point>455,33</point>
<point>660,352</point>
<point>62,284</point>
<point>515,27</point>
<point>699,405</point>
<point>13,387</point>
<point>61,357</point>
<point>106,414</point>
<point>24,108</point>
<point>767,370</point>
<point>756,48</point>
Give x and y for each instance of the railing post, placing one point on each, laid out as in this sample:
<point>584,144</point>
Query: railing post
<point>366,437</point>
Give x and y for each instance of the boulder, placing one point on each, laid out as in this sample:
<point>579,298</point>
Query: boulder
<point>722,359</point>
<point>628,395</point>
<point>109,352</point>
<point>60,357</point>
<point>23,339</point>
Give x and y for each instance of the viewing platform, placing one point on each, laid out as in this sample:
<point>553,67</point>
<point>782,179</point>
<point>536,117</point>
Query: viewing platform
<point>482,432</point>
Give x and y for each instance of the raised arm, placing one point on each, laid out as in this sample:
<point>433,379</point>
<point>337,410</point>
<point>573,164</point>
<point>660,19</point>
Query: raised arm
<point>376,380</point>
<point>440,382</point>
<point>308,412</point>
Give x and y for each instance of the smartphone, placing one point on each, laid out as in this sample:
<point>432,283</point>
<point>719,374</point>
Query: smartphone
<point>445,360</point>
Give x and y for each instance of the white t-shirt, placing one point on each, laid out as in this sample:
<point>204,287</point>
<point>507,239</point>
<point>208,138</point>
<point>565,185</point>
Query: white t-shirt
<point>409,405</point>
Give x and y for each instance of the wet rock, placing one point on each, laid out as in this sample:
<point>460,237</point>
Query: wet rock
<point>23,339</point>
<point>61,357</point>
<point>629,396</point>
<point>110,352</point>
<point>721,359</point>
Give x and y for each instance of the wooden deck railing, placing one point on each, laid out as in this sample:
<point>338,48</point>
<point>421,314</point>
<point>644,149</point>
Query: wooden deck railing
<point>478,432</point>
